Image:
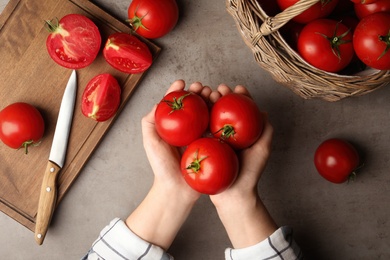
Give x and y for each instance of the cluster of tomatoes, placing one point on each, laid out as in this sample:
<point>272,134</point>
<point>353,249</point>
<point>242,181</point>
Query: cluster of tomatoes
<point>210,137</point>
<point>74,42</point>
<point>340,36</point>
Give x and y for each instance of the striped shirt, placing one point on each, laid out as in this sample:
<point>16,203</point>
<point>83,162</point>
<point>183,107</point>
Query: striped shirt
<point>117,242</point>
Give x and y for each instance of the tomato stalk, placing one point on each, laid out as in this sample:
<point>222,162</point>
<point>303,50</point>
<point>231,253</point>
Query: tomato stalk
<point>195,164</point>
<point>227,132</point>
<point>386,40</point>
<point>26,144</point>
<point>177,103</point>
<point>336,40</point>
<point>136,21</point>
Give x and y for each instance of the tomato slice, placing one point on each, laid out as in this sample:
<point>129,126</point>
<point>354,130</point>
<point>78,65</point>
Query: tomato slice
<point>126,53</point>
<point>101,97</point>
<point>74,41</point>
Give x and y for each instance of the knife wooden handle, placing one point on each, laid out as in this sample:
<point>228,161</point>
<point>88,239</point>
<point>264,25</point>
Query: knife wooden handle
<point>47,201</point>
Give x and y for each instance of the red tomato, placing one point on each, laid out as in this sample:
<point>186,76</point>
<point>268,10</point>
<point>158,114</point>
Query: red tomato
<point>319,10</point>
<point>101,97</point>
<point>236,119</point>
<point>209,166</point>
<point>326,44</point>
<point>21,125</point>
<point>74,41</point>
<point>336,160</point>
<point>153,19</point>
<point>126,53</point>
<point>181,117</point>
<point>363,1</point>
<point>371,40</point>
<point>363,10</point>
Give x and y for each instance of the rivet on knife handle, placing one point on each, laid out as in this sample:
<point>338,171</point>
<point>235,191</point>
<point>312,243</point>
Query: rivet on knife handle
<point>47,201</point>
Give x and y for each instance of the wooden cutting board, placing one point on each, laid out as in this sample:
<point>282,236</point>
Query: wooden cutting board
<point>28,74</point>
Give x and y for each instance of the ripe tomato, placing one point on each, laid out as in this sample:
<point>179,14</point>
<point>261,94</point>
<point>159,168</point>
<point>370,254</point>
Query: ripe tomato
<point>319,10</point>
<point>153,19</point>
<point>126,53</point>
<point>336,160</point>
<point>101,97</point>
<point>21,125</point>
<point>363,1</point>
<point>74,41</point>
<point>371,40</point>
<point>236,119</point>
<point>363,10</point>
<point>209,166</point>
<point>326,44</point>
<point>181,117</point>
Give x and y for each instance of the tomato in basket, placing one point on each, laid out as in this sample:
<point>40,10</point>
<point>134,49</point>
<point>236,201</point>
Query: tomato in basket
<point>326,44</point>
<point>319,10</point>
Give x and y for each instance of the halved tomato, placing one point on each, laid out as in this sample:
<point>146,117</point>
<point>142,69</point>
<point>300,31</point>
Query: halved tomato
<point>74,41</point>
<point>101,97</point>
<point>126,53</point>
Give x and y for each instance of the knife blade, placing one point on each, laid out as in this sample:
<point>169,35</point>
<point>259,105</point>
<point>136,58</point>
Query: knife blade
<point>48,193</point>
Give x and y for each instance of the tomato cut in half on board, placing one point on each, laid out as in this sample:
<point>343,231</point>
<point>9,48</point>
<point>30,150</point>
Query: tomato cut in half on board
<point>101,97</point>
<point>74,41</point>
<point>126,53</point>
<point>21,125</point>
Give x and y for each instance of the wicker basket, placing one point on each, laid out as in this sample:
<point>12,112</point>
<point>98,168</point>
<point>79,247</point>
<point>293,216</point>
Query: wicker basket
<point>272,53</point>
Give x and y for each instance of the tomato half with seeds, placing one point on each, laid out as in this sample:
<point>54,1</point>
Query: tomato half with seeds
<point>181,117</point>
<point>209,166</point>
<point>21,126</point>
<point>236,119</point>
<point>126,53</point>
<point>74,41</point>
<point>101,97</point>
<point>336,160</point>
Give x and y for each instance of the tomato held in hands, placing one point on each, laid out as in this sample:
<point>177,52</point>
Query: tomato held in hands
<point>326,44</point>
<point>126,53</point>
<point>371,40</point>
<point>209,166</point>
<point>153,19</point>
<point>21,125</point>
<point>319,10</point>
<point>236,119</point>
<point>336,160</point>
<point>101,97</point>
<point>74,41</point>
<point>181,117</point>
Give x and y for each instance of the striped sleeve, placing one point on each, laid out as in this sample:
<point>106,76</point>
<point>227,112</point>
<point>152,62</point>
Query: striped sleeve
<point>117,242</point>
<point>280,245</point>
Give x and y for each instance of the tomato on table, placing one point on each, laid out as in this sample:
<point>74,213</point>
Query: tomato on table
<point>153,19</point>
<point>371,40</point>
<point>336,160</point>
<point>21,125</point>
<point>181,117</point>
<point>126,53</point>
<point>236,119</point>
<point>209,166</point>
<point>101,97</point>
<point>326,44</point>
<point>74,41</point>
<point>319,10</point>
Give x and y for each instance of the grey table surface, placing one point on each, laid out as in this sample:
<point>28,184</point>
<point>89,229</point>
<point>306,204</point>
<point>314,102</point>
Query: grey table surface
<point>346,221</point>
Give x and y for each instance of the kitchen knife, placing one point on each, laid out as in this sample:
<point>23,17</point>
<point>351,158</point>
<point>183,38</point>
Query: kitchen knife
<point>48,194</point>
